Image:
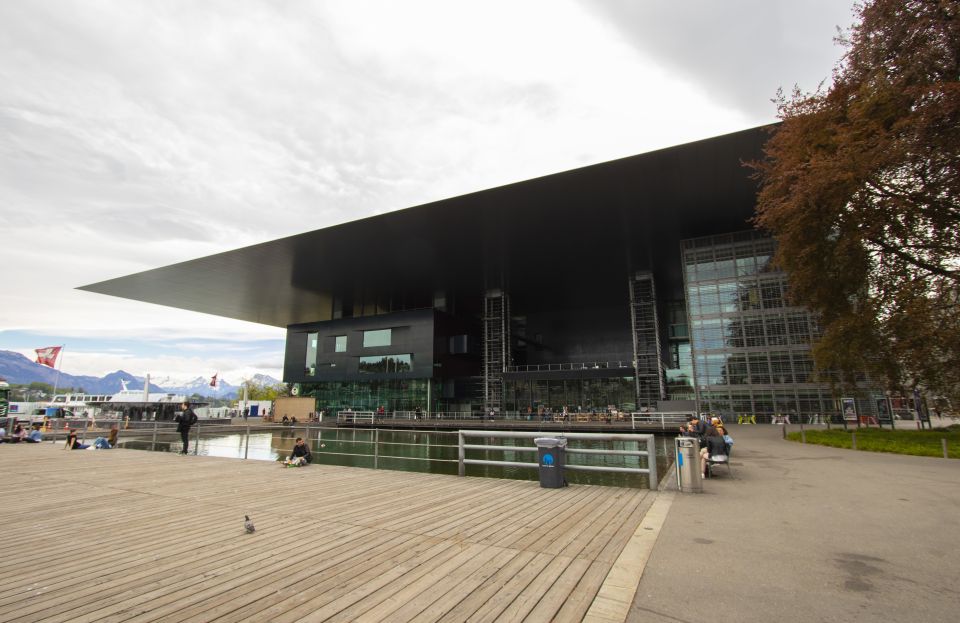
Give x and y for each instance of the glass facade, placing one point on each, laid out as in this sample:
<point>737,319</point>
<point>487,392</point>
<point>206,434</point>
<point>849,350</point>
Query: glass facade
<point>310,365</point>
<point>379,337</point>
<point>679,369</point>
<point>587,394</point>
<point>391,394</point>
<point>750,347</point>
<point>384,364</point>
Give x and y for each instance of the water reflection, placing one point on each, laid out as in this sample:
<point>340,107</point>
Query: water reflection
<point>419,451</point>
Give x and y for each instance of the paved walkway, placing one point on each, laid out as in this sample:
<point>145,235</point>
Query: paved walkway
<point>809,533</point>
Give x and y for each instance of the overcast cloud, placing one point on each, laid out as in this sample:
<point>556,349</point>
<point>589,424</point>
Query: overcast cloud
<point>135,134</point>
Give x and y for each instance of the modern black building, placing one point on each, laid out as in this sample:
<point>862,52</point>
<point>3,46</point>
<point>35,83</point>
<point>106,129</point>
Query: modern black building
<point>633,283</point>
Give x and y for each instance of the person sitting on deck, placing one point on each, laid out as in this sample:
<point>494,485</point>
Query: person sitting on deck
<point>35,436</point>
<point>110,441</point>
<point>16,436</point>
<point>73,443</point>
<point>715,448</point>
<point>300,455</point>
<point>285,420</point>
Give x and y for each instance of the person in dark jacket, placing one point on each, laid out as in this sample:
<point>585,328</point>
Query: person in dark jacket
<point>300,455</point>
<point>185,420</point>
<point>73,443</point>
<point>715,448</point>
<point>698,429</point>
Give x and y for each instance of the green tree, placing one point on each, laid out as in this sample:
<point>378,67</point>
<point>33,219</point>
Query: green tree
<point>257,391</point>
<point>861,188</point>
<point>37,386</point>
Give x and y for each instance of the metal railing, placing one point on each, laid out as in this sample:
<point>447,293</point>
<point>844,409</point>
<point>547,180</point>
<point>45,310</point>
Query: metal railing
<point>167,435</point>
<point>557,367</point>
<point>649,440</point>
<point>369,443</point>
<point>665,420</point>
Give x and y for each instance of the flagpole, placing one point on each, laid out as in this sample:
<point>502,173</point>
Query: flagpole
<point>63,347</point>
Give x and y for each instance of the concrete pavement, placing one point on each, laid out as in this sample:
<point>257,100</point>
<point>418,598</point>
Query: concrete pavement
<point>809,533</point>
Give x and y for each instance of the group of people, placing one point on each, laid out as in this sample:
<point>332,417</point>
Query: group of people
<point>20,434</point>
<point>715,442</point>
<point>100,443</point>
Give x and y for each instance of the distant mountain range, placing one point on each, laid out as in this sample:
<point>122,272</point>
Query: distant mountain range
<point>17,369</point>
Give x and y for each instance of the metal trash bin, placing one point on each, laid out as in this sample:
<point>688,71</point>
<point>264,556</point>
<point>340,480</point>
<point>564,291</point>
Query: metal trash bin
<point>688,465</point>
<point>551,458</point>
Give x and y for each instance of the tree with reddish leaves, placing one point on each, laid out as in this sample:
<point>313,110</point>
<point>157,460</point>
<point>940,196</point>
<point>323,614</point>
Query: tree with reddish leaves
<point>860,186</point>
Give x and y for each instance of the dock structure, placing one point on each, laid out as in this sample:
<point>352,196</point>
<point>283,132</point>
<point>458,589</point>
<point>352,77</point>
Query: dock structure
<point>126,535</point>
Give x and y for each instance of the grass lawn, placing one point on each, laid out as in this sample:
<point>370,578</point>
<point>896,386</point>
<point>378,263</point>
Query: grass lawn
<point>916,442</point>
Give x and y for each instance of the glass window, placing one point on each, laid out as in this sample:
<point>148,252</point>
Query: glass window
<point>729,297</point>
<point>746,266</point>
<point>759,368</point>
<point>383,364</point>
<point>379,337</point>
<point>341,344</point>
<point>725,269</point>
<point>310,365</point>
<point>458,344</point>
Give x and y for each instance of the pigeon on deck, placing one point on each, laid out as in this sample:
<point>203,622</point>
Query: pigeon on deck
<point>248,525</point>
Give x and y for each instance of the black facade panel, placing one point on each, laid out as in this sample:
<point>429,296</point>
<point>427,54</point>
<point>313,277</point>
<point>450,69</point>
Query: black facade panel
<point>565,331</point>
<point>412,333</point>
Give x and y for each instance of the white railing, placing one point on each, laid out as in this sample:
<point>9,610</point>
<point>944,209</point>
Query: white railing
<point>647,440</point>
<point>355,417</point>
<point>666,419</point>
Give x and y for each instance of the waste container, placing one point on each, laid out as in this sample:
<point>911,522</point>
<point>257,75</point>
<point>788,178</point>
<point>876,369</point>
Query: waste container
<point>688,465</point>
<point>551,455</point>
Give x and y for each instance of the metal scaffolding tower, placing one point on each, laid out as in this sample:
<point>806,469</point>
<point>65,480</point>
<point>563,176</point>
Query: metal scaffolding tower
<point>496,347</point>
<point>646,341</point>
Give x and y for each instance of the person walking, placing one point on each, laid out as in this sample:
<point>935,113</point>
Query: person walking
<point>185,420</point>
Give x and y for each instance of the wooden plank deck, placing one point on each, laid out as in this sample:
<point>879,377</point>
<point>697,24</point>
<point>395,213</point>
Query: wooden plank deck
<point>126,535</point>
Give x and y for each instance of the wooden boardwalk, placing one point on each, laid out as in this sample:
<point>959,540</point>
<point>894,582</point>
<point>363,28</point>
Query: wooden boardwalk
<point>126,535</point>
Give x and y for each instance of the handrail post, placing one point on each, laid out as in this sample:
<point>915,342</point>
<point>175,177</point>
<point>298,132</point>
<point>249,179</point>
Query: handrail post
<point>196,443</point>
<point>652,463</point>
<point>663,421</point>
<point>376,447</point>
<point>461,455</point>
<point>153,442</point>
<point>246,443</point>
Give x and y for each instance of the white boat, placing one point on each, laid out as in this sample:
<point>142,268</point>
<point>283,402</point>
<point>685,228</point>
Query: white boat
<point>138,404</point>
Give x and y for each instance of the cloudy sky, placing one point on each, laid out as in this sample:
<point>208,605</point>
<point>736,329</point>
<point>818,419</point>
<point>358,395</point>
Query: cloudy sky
<point>135,134</point>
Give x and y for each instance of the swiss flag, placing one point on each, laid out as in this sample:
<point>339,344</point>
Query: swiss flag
<point>48,356</point>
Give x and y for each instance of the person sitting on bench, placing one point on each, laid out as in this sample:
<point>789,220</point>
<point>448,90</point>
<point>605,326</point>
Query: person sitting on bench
<point>715,449</point>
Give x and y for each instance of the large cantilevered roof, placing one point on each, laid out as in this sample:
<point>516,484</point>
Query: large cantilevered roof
<point>575,235</point>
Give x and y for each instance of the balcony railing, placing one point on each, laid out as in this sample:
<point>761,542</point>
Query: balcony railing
<point>587,365</point>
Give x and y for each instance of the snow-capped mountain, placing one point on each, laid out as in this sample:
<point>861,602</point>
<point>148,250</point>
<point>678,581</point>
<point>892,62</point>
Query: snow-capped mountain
<point>201,385</point>
<point>16,368</point>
